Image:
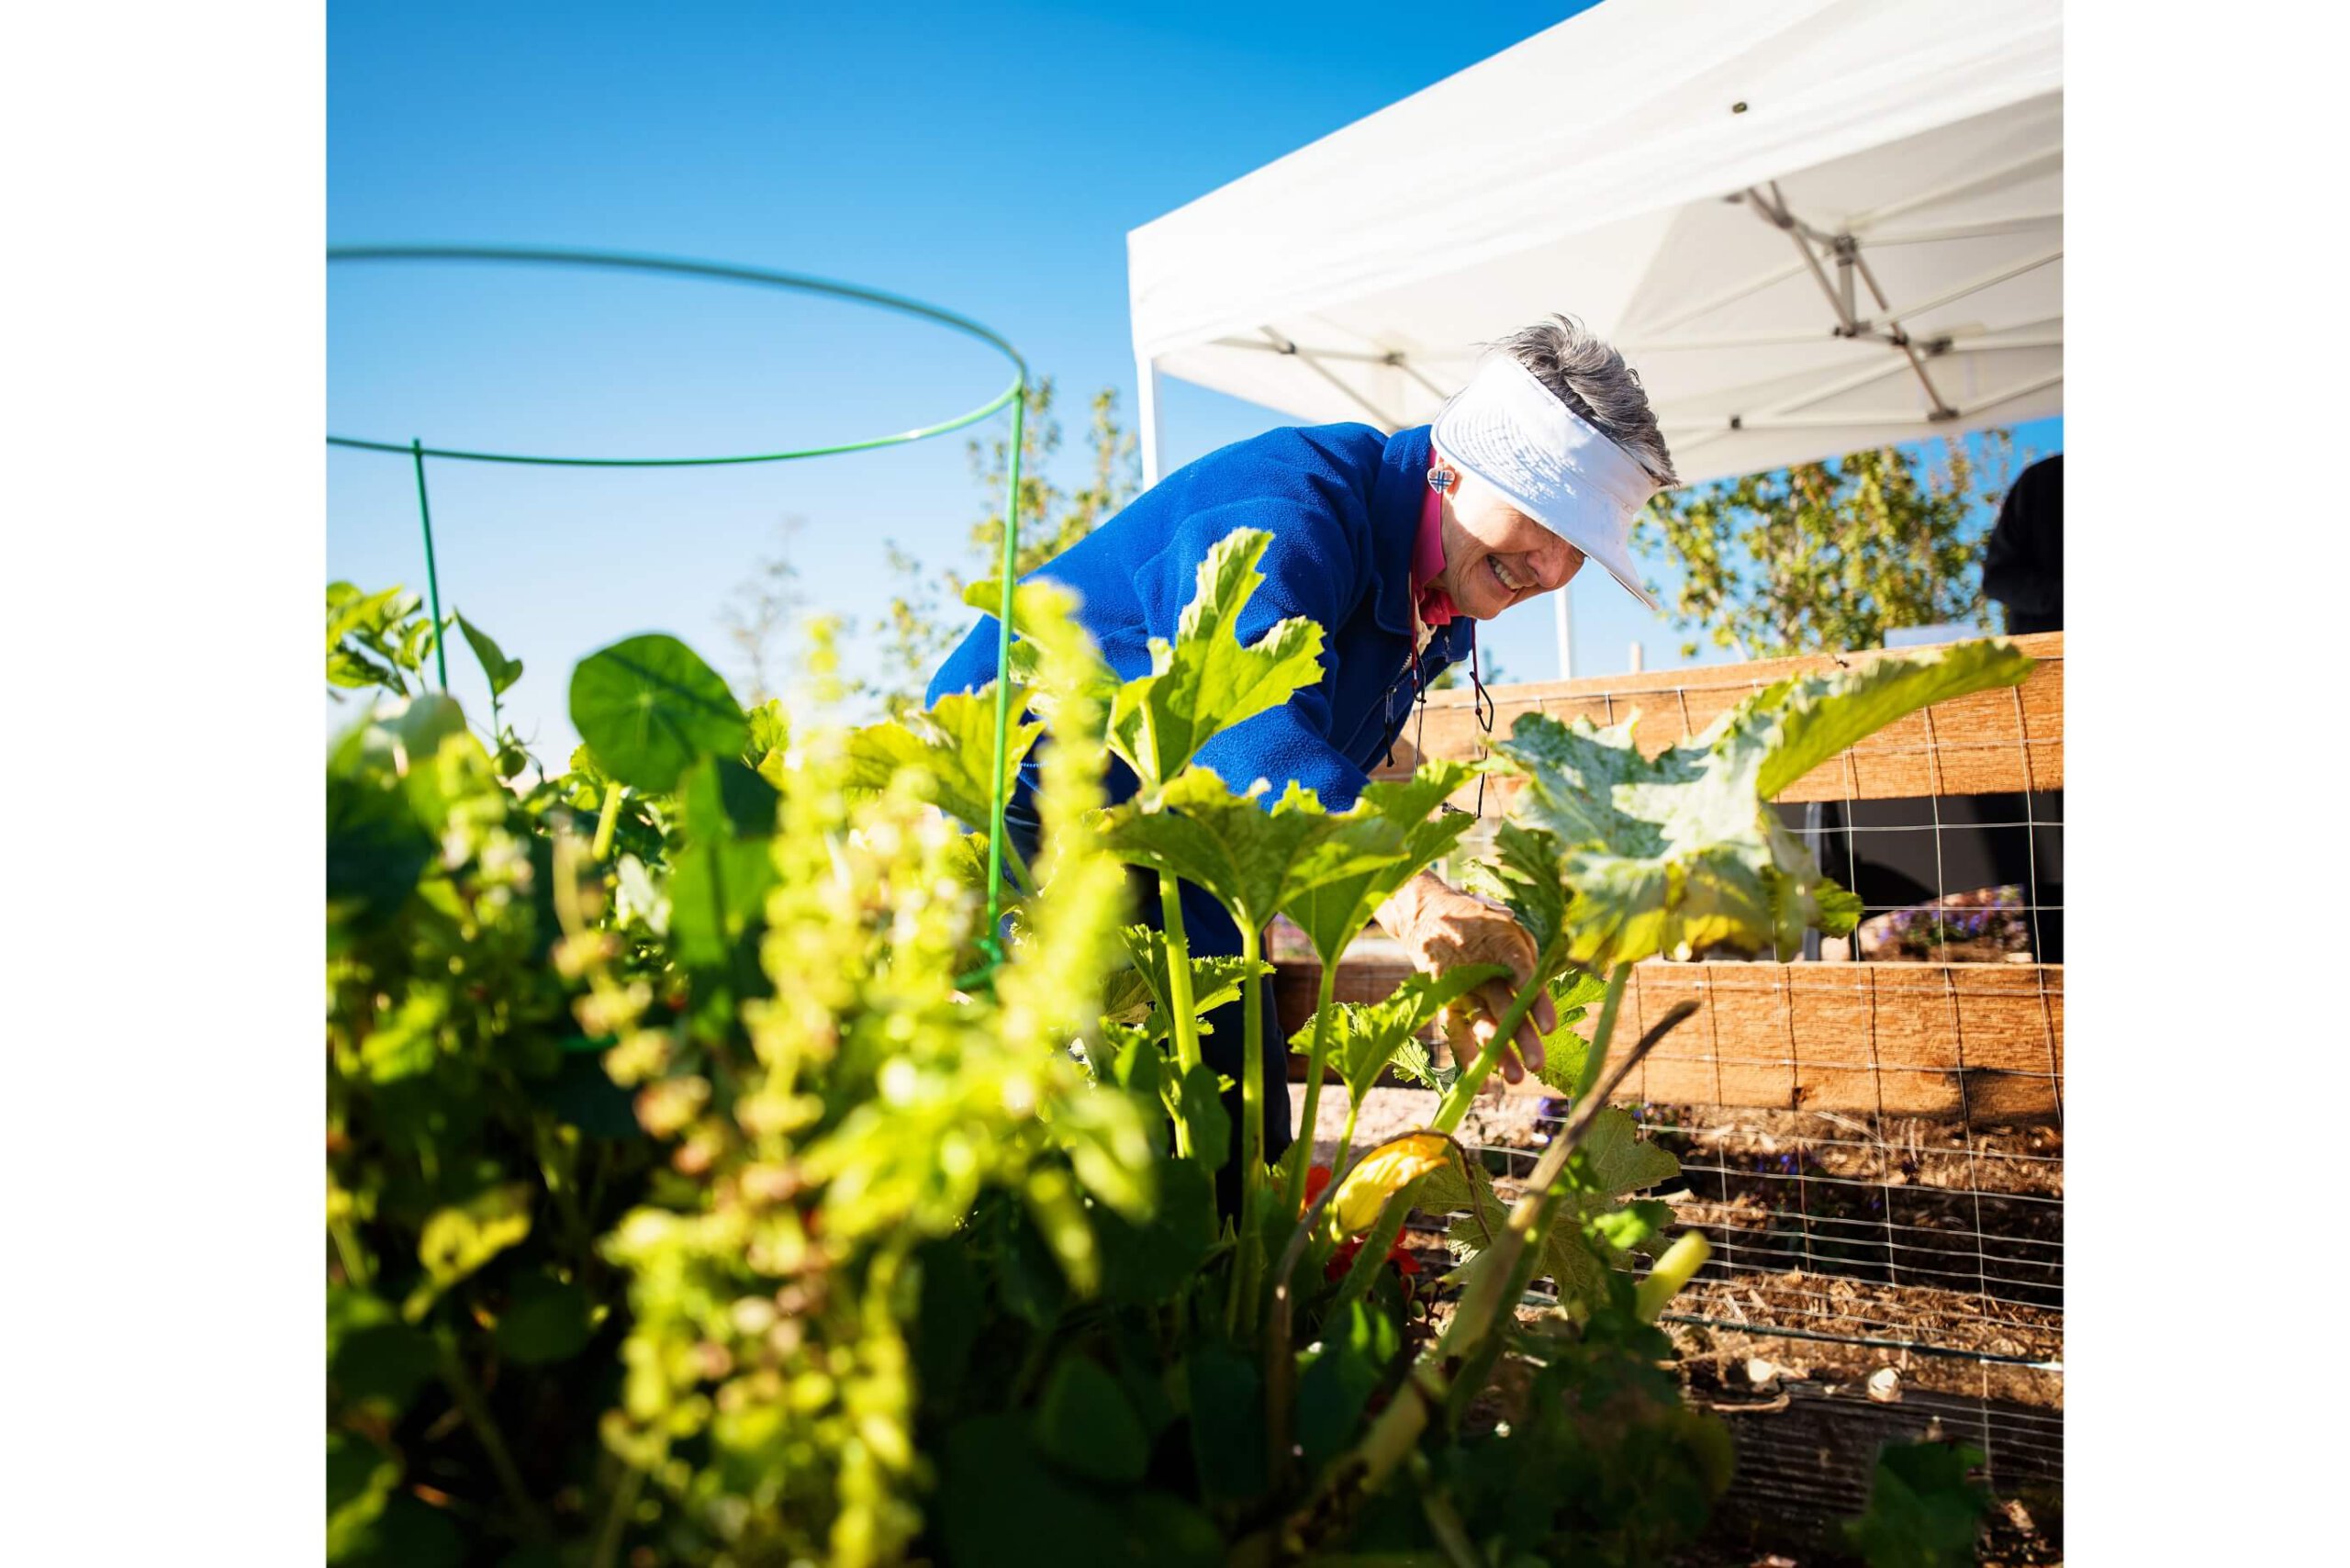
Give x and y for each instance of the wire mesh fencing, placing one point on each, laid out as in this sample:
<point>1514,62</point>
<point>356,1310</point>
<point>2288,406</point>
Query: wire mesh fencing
<point>1870,1129</point>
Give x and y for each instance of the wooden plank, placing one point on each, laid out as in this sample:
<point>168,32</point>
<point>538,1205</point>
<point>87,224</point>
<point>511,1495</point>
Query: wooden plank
<point>1988,742</point>
<point>1979,1042</point>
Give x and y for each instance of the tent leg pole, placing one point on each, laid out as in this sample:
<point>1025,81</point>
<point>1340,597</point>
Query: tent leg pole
<point>1562,622</point>
<point>1147,418</point>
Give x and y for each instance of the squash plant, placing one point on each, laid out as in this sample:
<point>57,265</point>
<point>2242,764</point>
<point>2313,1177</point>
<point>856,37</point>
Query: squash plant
<point>708,1182</point>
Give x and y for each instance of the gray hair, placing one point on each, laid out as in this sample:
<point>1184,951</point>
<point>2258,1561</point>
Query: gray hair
<point>1592,378</point>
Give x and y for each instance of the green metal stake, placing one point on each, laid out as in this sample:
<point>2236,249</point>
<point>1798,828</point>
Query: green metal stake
<point>1004,667</point>
<point>432,571</point>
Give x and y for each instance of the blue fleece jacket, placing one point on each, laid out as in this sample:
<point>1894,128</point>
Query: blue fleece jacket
<point>1342,503</point>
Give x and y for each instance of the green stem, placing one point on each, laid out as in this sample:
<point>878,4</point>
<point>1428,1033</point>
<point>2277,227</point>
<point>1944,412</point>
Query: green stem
<point>1184,1025</point>
<point>1252,1273</point>
<point>1316,1065</point>
<point>346,1248</point>
<point>1596,1060</point>
<point>1472,1078</point>
<point>493,1443</point>
<point>1343,1155</point>
<point>610,1534</point>
<point>606,821</point>
<point>1186,1022</point>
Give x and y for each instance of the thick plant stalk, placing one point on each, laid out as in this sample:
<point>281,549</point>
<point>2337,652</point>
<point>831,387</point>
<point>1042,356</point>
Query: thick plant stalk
<point>1249,1277</point>
<point>1343,1155</point>
<point>1395,1433</point>
<point>528,1517</point>
<point>1316,1065</point>
<point>608,819</point>
<point>1184,1026</point>
<point>1455,1104</point>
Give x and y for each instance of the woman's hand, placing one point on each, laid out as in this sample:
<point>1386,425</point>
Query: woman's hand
<point>1441,928</point>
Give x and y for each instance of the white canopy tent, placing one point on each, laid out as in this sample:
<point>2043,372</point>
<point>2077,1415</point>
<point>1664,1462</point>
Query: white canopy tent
<point>1812,226</point>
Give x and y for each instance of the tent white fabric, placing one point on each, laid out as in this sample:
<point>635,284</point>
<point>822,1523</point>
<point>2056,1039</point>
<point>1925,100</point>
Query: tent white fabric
<point>1812,226</point>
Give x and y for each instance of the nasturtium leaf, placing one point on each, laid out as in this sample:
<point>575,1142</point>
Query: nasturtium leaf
<point>502,671</point>
<point>722,798</point>
<point>460,1238</point>
<point>950,747</point>
<point>1085,1425</point>
<point>648,707</point>
<point>1205,681</point>
<point>1679,853</point>
<point>717,894</point>
<point>545,1319</point>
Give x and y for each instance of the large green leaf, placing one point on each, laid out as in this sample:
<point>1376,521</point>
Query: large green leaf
<point>1085,1425</point>
<point>1366,1038</point>
<point>1681,853</point>
<point>951,747</point>
<point>1924,1510</point>
<point>1253,861</point>
<point>1801,723</point>
<point>1620,1161</point>
<point>1227,1409</point>
<point>1390,833</point>
<point>1205,681</point>
<point>1339,1377</point>
<point>649,707</point>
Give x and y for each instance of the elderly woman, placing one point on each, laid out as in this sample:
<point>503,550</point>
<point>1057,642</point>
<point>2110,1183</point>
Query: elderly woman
<point>1397,546</point>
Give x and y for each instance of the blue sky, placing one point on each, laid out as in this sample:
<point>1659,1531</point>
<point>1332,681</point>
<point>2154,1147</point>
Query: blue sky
<point>987,159</point>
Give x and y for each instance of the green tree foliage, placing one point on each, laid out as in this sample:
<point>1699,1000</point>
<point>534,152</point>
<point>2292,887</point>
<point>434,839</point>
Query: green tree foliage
<point>1827,556</point>
<point>919,627</point>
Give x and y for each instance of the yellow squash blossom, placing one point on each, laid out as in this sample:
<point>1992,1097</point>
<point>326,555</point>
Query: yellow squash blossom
<point>1380,1175</point>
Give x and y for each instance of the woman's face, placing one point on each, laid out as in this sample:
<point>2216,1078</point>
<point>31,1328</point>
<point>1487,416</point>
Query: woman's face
<point>1495,556</point>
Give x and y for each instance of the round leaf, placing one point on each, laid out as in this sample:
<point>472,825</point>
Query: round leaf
<point>649,706</point>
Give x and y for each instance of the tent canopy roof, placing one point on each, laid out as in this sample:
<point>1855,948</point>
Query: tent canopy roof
<point>1811,225</point>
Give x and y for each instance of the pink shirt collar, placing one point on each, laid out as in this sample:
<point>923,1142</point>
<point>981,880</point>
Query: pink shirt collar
<point>1433,605</point>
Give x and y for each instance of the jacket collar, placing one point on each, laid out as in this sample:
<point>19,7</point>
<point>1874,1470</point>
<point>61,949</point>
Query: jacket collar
<point>1395,524</point>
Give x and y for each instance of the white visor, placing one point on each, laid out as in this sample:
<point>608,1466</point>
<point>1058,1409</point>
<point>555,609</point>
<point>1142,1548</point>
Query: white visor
<point>1550,463</point>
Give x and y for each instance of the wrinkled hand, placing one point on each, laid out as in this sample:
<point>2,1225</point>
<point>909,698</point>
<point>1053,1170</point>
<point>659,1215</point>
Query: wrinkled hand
<point>1441,927</point>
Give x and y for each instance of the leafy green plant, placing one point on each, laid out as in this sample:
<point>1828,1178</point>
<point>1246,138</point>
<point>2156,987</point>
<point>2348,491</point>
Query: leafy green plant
<point>1925,1508</point>
<point>709,1179</point>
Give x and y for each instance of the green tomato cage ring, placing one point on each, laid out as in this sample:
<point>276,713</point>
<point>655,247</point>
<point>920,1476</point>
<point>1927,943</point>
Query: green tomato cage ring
<point>1014,395</point>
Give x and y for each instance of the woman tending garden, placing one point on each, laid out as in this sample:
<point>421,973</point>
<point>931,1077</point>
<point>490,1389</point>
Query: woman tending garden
<point>710,1180</point>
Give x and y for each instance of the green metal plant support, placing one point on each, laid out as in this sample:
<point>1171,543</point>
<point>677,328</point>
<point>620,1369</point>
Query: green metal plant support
<point>1015,395</point>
